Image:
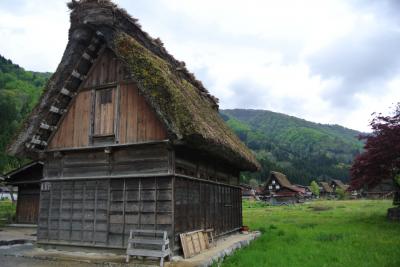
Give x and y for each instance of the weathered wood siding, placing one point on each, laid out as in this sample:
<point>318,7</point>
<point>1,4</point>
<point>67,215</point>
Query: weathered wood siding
<point>101,212</point>
<point>104,112</point>
<point>203,205</point>
<point>107,70</point>
<point>121,161</point>
<point>113,106</point>
<point>205,168</point>
<point>74,129</point>
<point>28,203</point>
<point>138,122</point>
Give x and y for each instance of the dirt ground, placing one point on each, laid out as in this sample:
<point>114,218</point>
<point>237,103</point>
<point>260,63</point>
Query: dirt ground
<point>18,249</point>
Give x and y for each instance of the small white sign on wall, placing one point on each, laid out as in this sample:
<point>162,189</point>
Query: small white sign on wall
<point>45,186</point>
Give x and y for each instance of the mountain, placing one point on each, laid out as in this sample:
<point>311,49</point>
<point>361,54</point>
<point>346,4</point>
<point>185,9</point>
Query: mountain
<point>303,150</point>
<point>19,92</point>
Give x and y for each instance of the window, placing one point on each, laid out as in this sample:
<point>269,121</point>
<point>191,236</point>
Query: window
<point>104,116</point>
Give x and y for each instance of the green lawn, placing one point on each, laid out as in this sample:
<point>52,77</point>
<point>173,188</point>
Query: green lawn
<point>321,233</point>
<point>7,211</point>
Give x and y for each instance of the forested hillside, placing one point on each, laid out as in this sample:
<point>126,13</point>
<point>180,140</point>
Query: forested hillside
<point>303,150</point>
<point>19,92</point>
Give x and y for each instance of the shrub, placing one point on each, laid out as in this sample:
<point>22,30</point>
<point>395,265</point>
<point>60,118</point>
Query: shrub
<point>314,188</point>
<point>340,193</point>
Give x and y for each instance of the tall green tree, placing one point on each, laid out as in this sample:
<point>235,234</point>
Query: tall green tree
<point>314,188</point>
<point>19,92</point>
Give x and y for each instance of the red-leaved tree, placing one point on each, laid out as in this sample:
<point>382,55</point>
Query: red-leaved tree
<point>381,157</point>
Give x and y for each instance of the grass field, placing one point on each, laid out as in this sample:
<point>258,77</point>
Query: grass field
<point>321,233</point>
<point>7,211</point>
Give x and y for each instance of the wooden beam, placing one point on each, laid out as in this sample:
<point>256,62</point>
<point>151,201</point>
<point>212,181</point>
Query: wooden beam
<point>78,75</point>
<point>100,34</point>
<point>36,141</point>
<point>45,126</point>
<point>66,92</point>
<point>87,57</point>
<point>57,110</point>
<point>92,47</point>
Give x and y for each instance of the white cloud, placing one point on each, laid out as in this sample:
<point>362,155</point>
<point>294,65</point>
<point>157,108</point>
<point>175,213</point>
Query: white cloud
<point>35,34</point>
<point>294,57</point>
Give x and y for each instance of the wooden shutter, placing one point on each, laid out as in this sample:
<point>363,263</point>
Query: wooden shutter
<point>104,112</point>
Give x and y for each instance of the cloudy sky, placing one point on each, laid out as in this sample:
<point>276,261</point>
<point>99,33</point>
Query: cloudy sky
<point>324,61</point>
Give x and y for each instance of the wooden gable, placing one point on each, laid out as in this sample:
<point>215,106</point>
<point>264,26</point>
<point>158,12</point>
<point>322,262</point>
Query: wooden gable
<point>107,110</point>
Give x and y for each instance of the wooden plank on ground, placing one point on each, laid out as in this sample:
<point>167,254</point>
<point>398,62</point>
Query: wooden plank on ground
<point>193,243</point>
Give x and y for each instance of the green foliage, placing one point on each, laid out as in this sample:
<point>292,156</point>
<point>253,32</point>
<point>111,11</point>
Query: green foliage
<point>397,179</point>
<point>348,233</point>
<point>298,148</point>
<point>7,212</point>
<point>340,193</point>
<point>314,188</point>
<point>19,92</point>
<point>253,183</point>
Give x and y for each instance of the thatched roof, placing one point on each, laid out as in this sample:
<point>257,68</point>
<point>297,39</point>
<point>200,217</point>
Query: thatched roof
<point>326,187</point>
<point>283,181</point>
<point>187,109</point>
<point>340,184</point>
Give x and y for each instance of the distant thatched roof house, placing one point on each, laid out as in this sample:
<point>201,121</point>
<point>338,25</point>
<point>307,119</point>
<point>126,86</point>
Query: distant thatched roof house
<point>325,189</point>
<point>281,189</point>
<point>335,183</point>
<point>186,108</point>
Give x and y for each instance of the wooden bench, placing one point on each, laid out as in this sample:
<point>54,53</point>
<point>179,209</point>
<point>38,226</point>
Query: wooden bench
<point>148,243</point>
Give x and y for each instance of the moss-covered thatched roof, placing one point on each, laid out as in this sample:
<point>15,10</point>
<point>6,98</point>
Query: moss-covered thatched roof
<point>326,187</point>
<point>188,110</point>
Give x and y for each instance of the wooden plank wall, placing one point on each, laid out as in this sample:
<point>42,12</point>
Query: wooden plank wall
<point>202,205</point>
<point>74,130</point>
<point>137,160</point>
<point>28,204</point>
<point>108,69</point>
<point>102,212</point>
<point>212,170</point>
<point>138,122</point>
<point>104,114</point>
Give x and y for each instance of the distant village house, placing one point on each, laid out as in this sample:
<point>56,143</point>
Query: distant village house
<point>278,189</point>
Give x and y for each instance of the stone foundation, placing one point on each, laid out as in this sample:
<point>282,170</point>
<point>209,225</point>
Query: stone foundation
<point>394,214</point>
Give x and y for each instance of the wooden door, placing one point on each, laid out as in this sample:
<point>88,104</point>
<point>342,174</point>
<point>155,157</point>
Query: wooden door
<point>28,204</point>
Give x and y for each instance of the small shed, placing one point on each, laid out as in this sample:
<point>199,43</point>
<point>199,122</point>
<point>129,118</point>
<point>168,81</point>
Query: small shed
<point>27,180</point>
<point>279,189</point>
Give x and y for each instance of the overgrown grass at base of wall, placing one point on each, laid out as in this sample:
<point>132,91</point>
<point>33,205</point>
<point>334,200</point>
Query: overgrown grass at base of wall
<point>7,212</point>
<point>320,233</point>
